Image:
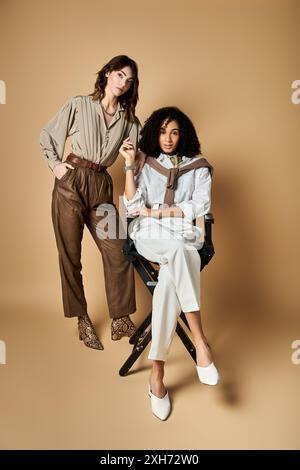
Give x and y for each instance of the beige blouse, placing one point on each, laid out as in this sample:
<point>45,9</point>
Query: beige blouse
<point>83,120</point>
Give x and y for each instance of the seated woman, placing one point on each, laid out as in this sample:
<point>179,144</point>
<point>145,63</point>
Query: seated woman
<point>168,185</point>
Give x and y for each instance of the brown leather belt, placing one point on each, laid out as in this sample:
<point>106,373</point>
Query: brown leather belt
<point>85,163</point>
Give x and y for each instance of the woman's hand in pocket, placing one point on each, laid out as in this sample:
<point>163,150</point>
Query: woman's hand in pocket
<point>61,169</point>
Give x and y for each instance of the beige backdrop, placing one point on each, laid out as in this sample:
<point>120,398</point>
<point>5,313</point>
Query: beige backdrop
<point>229,65</point>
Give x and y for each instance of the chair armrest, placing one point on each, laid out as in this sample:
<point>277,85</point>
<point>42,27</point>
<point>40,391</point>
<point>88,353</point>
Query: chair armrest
<point>209,217</point>
<point>208,221</point>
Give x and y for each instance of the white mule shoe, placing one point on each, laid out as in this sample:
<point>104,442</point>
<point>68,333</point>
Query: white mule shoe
<point>161,407</point>
<point>208,375</point>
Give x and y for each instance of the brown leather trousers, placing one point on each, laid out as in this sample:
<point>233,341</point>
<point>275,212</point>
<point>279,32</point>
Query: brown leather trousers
<point>75,199</point>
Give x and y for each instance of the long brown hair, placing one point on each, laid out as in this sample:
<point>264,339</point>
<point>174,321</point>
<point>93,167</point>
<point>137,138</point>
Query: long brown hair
<point>130,98</point>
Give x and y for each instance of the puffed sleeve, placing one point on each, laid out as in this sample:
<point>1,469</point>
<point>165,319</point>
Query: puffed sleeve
<point>54,134</point>
<point>140,197</point>
<point>199,205</point>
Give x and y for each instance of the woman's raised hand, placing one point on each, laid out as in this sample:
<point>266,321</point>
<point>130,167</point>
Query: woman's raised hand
<point>127,151</point>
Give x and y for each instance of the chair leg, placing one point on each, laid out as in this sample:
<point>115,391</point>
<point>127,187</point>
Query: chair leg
<point>186,341</point>
<point>183,318</point>
<point>143,326</point>
<point>136,352</point>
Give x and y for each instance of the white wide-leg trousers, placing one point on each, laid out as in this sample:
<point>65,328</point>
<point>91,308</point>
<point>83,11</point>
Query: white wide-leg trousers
<point>178,288</point>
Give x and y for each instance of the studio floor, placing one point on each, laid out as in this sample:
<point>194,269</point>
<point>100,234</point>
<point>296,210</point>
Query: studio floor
<point>58,394</point>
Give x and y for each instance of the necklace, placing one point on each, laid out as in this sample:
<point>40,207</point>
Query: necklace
<point>110,114</point>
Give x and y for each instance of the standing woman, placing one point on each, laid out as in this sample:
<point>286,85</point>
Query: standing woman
<point>98,124</point>
<point>171,190</point>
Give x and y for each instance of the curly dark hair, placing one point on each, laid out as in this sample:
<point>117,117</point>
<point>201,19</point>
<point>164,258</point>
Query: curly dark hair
<point>188,144</point>
<point>130,98</point>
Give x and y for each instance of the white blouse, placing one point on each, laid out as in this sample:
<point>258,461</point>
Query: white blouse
<point>192,194</point>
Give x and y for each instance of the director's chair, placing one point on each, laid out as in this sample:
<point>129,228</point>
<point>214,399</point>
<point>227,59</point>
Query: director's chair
<point>149,274</point>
